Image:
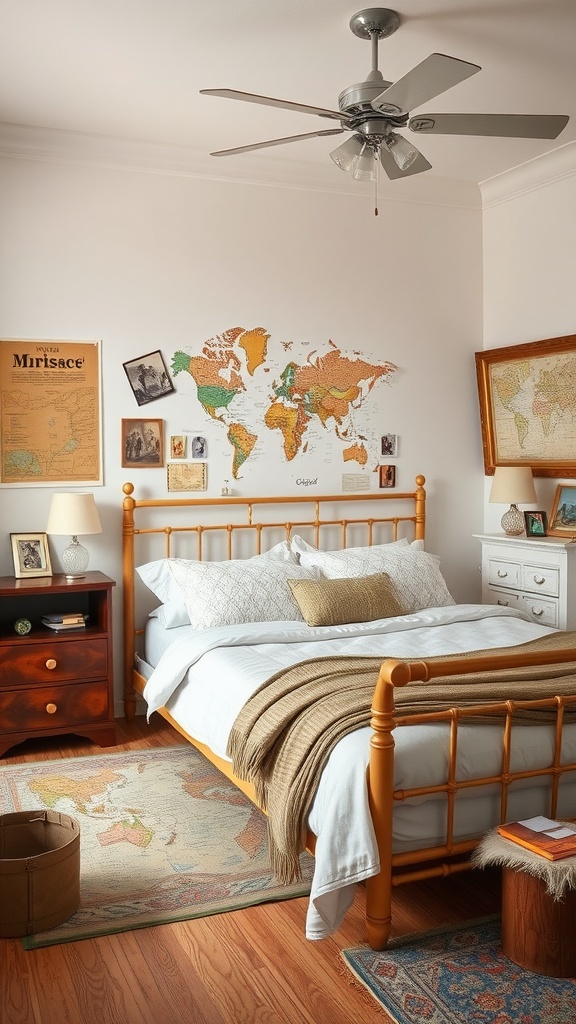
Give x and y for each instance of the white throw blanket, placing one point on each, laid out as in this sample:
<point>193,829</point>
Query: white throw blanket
<point>205,678</point>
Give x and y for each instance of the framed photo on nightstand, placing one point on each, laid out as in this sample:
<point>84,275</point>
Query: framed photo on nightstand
<point>535,524</point>
<point>31,555</point>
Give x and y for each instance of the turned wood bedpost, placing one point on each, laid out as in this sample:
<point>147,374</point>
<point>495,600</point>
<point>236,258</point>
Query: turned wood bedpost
<point>381,798</point>
<point>128,506</point>
<point>420,502</point>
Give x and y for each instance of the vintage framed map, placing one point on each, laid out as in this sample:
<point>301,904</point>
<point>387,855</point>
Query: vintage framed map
<point>50,415</point>
<point>527,397</point>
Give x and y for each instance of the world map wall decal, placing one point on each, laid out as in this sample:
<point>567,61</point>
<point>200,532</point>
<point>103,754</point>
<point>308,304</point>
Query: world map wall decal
<point>241,386</point>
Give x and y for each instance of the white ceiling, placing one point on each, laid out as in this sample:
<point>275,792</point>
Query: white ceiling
<point>132,70</point>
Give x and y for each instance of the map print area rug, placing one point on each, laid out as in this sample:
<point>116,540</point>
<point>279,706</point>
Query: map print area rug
<point>164,837</point>
<point>460,974</point>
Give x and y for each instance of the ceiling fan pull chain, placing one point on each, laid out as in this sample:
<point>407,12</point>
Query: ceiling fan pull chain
<point>376,195</point>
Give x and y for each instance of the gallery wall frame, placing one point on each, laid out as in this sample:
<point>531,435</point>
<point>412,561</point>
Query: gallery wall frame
<point>527,396</point>
<point>143,443</point>
<point>149,378</point>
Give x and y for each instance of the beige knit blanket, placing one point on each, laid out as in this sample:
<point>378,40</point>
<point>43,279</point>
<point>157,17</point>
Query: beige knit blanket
<point>282,738</point>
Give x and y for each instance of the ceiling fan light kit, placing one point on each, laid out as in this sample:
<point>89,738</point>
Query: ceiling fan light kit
<point>375,109</point>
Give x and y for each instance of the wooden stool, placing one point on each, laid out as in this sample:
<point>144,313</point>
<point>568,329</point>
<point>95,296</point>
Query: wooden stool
<point>538,931</point>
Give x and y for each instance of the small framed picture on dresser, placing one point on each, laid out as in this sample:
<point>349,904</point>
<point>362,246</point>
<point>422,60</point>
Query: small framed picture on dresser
<point>535,524</point>
<point>31,555</point>
<point>563,515</point>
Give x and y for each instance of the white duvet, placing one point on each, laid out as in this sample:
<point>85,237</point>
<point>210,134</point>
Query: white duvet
<point>205,678</point>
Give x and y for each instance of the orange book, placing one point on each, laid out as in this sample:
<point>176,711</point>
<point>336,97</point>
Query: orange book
<point>549,838</point>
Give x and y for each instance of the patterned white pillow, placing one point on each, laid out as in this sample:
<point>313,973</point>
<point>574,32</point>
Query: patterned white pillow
<point>172,610</point>
<point>241,590</point>
<point>415,577</point>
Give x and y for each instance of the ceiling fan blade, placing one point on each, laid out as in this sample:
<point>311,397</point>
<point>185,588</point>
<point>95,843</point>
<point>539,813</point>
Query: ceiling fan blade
<point>510,126</point>
<point>393,171</point>
<point>277,142</point>
<point>434,75</point>
<point>270,101</point>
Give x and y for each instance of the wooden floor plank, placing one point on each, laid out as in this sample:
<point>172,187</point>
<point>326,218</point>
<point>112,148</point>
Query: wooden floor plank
<point>253,966</point>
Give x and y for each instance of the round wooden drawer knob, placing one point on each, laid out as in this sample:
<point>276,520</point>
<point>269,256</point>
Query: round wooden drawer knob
<point>51,708</point>
<point>51,663</point>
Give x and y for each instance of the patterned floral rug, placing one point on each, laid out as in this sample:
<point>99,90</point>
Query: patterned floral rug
<point>457,975</point>
<point>163,837</point>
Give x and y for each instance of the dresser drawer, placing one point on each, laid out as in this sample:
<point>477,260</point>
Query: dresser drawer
<point>542,610</point>
<point>541,579</point>
<point>503,573</point>
<point>84,658</point>
<point>53,707</point>
<point>506,598</point>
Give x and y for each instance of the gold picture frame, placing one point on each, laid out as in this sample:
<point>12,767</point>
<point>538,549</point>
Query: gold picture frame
<point>562,522</point>
<point>142,444</point>
<point>523,392</point>
<point>31,555</point>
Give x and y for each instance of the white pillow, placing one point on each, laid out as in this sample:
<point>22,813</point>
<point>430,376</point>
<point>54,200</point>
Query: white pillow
<point>240,590</point>
<point>415,577</point>
<point>158,578</point>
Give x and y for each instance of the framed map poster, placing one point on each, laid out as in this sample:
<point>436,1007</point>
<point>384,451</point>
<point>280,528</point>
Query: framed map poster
<point>50,415</point>
<point>527,397</point>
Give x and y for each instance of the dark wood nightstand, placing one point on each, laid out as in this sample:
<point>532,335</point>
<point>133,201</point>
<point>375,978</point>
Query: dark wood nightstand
<point>56,682</point>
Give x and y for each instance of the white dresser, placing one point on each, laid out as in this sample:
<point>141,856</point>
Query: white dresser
<point>535,574</point>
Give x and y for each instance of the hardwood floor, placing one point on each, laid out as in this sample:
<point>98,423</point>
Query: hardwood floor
<point>253,966</point>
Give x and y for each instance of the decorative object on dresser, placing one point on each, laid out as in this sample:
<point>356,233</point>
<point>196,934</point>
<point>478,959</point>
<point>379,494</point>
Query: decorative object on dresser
<point>563,515</point>
<point>519,428</point>
<point>31,555</point>
<point>512,484</point>
<point>536,574</point>
<point>56,682</point>
<point>536,524</point>
<point>74,513</point>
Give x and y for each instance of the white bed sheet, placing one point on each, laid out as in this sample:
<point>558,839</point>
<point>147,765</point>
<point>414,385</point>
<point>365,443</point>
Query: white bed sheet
<point>204,680</point>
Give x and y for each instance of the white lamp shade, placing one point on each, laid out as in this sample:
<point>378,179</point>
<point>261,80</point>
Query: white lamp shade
<point>73,513</point>
<point>512,485</point>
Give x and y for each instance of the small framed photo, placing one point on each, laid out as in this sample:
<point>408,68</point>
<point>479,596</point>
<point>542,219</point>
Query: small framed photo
<point>563,515</point>
<point>199,447</point>
<point>142,444</point>
<point>31,555</point>
<point>536,524</point>
<point>389,445</point>
<point>387,476</point>
<point>178,446</point>
<point>148,377</point>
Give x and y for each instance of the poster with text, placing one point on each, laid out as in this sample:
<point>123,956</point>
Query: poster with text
<point>50,413</point>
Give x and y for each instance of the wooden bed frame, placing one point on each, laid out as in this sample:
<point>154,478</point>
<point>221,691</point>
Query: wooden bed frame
<point>320,515</point>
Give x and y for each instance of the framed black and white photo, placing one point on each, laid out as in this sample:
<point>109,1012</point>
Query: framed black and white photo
<point>199,447</point>
<point>31,555</point>
<point>148,377</point>
<point>389,445</point>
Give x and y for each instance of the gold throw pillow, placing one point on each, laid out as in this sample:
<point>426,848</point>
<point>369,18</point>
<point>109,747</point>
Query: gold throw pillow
<point>333,602</point>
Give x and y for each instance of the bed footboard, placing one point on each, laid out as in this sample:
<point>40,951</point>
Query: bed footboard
<point>452,856</point>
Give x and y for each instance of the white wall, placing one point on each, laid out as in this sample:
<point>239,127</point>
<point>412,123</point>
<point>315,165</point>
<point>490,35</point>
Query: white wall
<point>529,269</point>
<point>144,260</point>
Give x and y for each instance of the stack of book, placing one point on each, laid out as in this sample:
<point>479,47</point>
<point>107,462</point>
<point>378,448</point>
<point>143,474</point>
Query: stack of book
<point>65,621</point>
<point>552,839</point>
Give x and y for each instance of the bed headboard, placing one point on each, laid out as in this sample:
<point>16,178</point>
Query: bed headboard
<point>154,528</point>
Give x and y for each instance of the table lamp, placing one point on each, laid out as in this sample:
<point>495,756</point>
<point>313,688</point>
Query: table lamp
<point>73,513</point>
<point>513,484</point>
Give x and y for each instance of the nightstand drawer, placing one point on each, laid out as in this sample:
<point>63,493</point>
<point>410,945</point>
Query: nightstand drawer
<point>541,579</point>
<point>78,658</point>
<point>503,574</point>
<point>506,598</point>
<point>54,707</point>
<point>542,610</point>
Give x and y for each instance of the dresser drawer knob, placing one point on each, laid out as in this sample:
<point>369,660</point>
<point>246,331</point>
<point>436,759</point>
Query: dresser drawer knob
<point>502,574</point>
<point>51,709</point>
<point>537,612</point>
<point>539,580</point>
<point>51,663</point>
<point>503,603</point>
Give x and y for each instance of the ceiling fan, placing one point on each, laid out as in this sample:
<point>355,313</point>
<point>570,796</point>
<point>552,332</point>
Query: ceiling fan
<point>373,110</point>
